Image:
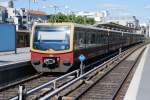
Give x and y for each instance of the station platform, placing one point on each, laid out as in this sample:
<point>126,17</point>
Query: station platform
<point>139,88</point>
<point>10,58</point>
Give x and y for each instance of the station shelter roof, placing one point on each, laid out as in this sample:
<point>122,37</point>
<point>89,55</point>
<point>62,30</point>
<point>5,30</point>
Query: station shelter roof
<point>112,25</point>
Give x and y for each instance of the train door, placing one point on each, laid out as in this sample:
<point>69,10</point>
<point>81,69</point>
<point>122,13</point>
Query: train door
<point>79,42</point>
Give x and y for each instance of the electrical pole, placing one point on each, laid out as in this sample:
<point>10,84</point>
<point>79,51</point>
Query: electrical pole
<point>29,21</point>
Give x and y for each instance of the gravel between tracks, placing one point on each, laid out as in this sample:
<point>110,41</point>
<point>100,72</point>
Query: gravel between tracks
<point>106,88</point>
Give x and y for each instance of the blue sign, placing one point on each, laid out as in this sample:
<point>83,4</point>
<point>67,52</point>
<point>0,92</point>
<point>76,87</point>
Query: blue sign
<point>82,57</point>
<point>7,37</point>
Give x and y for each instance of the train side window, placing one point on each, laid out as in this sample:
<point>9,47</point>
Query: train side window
<point>93,38</point>
<point>81,42</point>
<point>81,39</point>
<point>103,38</point>
<point>106,37</point>
<point>97,38</point>
<point>88,39</point>
<point>75,41</point>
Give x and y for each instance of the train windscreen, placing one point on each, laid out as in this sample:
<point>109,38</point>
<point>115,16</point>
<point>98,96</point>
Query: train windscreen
<point>51,37</point>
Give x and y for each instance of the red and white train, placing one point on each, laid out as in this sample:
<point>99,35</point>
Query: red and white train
<point>55,47</point>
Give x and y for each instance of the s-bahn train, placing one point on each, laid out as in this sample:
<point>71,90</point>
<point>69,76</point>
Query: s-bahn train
<point>55,47</point>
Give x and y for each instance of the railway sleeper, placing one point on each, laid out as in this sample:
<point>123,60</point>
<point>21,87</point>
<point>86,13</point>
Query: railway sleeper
<point>67,98</point>
<point>89,82</point>
<point>72,88</point>
<point>95,77</point>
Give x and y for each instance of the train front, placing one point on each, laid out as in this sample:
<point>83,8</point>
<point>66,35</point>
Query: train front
<point>52,47</point>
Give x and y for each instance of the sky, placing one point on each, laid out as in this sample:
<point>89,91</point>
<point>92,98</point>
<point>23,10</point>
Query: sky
<point>138,8</point>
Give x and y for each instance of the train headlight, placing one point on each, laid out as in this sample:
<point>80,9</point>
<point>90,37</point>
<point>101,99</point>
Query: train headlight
<point>49,61</point>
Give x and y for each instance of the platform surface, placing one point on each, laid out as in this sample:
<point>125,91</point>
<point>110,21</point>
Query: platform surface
<point>22,55</point>
<point>139,88</point>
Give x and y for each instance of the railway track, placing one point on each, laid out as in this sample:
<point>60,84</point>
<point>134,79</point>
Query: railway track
<point>68,86</point>
<point>9,91</point>
<point>103,83</point>
<point>20,81</point>
<point>123,89</point>
<point>12,89</point>
<point>108,86</point>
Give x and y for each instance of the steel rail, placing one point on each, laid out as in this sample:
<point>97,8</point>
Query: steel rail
<point>53,93</point>
<point>20,82</point>
<point>47,84</point>
<point>122,83</point>
<point>57,90</point>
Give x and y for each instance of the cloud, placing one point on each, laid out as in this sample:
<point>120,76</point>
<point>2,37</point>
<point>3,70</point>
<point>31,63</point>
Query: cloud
<point>147,7</point>
<point>116,7</point>
<point>126,14</point>
<point>109,5</point>
<point>5,4</point>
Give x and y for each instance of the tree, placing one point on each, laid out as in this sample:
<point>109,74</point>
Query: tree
<point>60,17</point>
<point>79,19</point>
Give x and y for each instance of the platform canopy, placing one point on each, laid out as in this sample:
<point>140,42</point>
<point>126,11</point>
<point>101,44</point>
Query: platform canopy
<point>114,26</point>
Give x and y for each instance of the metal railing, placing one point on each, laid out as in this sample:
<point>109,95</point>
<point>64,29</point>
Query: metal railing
<point>78,77</point>
<point>53,93</point>
<point>30,92</point>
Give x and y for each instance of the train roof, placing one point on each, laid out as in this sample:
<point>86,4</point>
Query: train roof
<point>103,29</point>
<point>113,25</point>
<point>84,26</point>
<point>97,28</point>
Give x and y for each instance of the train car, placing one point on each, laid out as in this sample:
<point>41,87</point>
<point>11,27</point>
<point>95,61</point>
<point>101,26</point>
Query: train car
<point>55,47</point>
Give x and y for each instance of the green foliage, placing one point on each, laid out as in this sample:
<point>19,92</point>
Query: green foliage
<point>70,18</point>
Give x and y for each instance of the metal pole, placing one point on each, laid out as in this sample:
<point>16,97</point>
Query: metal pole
<point>15,39</point>
<point>81,58</point>
<point>120,52</point>
<point>72,17</point>
<point>21,92</point>
<point>55,14</point>
<point>67,10</point>
<point>67,15</point>
<point>29,14</point>
<point>78,73</point>
<point>81,68</point>
<point>54,85</point>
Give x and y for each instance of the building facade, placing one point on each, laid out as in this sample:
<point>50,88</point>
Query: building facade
<point>98,16</point>
<point>37,16</point>
<point>3,14</point>
<point>22,18</point>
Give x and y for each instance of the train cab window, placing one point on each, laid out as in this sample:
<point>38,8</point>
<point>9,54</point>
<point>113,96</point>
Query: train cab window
<point>56,38</point>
